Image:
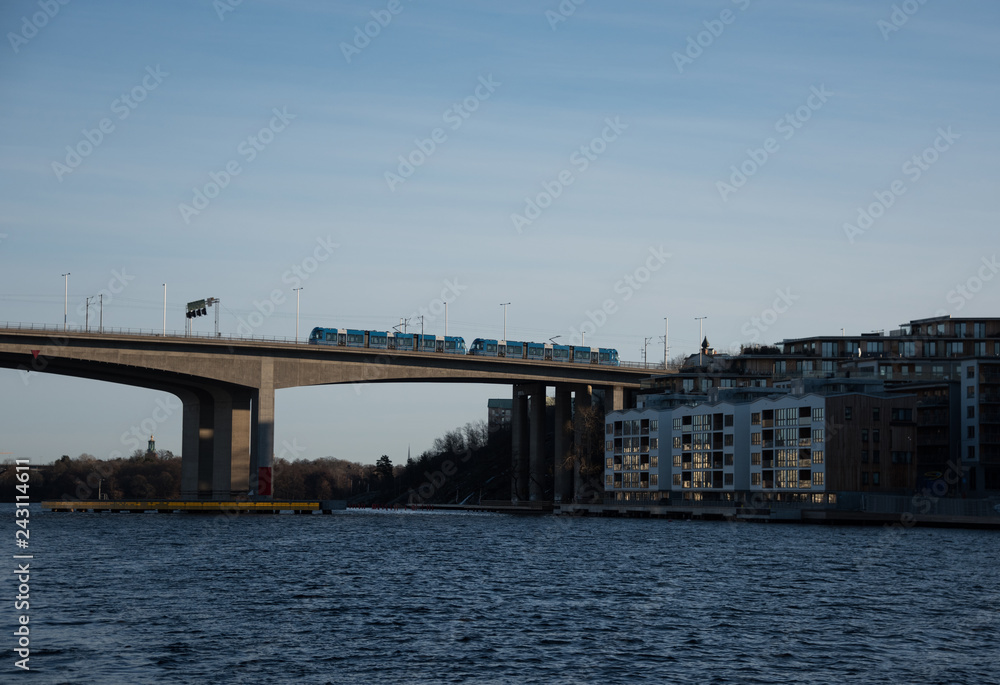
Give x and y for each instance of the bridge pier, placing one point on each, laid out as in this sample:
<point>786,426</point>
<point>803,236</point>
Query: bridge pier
<point>519,445</point>
<point>584,400</point>
<point>536,458</point>
<point>562,467</point>
<point>262,428</point>
<point>231,444</point>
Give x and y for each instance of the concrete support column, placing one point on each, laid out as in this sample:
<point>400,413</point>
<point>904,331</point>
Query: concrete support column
<point>562,467</point>
<point>622,398</point>
<point>583,401</point>
<point>262,429</point>
<point>519,445</point>
<point>190,443</point>
<point>206,444</point>
<point>536,458</point>
<point>231,444</point>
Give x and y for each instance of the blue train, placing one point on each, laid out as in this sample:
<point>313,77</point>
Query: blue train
<point>447,344</point>
<point>544,352</point>
<point>387,340</point>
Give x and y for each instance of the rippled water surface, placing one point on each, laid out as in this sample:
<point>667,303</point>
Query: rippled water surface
<point>365,597</point>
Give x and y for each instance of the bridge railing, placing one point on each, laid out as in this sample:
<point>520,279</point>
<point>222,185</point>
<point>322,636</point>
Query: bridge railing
<point>147,332</point>
<point>158,333</point>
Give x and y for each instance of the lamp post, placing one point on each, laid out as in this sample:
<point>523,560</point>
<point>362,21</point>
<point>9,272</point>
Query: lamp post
<point>298,291</point>
<point>701,335</point>
<point>645,351</point>
<point>164,309</point>
<point>505,305</point>
<point>666,332</point>
<point>66,300</point>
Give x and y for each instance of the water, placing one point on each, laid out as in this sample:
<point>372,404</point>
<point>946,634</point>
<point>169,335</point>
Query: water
<point>363,597</point>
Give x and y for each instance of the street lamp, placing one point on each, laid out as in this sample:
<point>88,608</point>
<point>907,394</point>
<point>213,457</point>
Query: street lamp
<point>505,305</point>
<point>164,309</point>
<point>66,300</point>
<point>298,291</point>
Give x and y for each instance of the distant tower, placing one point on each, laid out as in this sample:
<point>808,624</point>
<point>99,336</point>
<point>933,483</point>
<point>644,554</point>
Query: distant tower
<point>151,447</point>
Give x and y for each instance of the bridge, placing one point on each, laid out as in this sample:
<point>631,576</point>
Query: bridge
<point>227,389</point>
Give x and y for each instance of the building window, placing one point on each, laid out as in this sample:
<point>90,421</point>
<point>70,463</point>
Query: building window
<point>755,458</point>
<point>817,434</point>
<point>609,428</point>
<point>970,392</point>
<point>728,479</point>
<point>728,440</point>
<point>817,456</point>
<point>817,478</point>
<point>875,434</point>
<point>677,424</point>
<point>817,413</point>
<point>847,413</point>
<point>609,481</point>
<point>876,455</point>
<point>902,414</point>
<point>654,425</point>
<point>654,443</point>
<point>970,431</point>
<point>876,414</point>
<point>970,411</point>
<point>729,460</point>
<point>677,479</point>
<point>755,419</point>
<point>654,462</point>
<point>755,479</point>
<point>979,330</point>
<point>875,478</point>
<point>864,435</point>
<point>972,452</point>
<point>864,478</point>
<point>970,371</point>
<point>961,330</point>
<point>729,420</point>
<point>654,480</point>
<point>864,456</point>
<point>979,349</point>
<point>755,438</point>
<point>677,460</point>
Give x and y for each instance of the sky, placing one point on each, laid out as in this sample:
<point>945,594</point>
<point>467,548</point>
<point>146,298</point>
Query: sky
<point>783,168</point>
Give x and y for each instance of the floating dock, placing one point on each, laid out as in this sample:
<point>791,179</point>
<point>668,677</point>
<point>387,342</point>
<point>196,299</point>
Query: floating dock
<point>196,506</point>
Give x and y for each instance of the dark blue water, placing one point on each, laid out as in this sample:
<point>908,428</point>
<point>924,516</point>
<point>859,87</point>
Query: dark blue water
<point>364,597</point>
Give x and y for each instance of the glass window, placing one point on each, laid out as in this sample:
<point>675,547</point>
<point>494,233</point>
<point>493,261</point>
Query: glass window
<point>677,460</point>
<point>847,413</point>
<point>677,479</point>
<point>677,424</point>
<point>875,434</point>
<point>970,371</point>
<point>729,419</point>
<point>817,435</point>
<point>755,438</point>
<point>817,414</point>
<point>755,479</point>
<point>654,425</point>
<point>875,478</point>
<point>755,419</point>
<point>970,411</point>
<point>817,477</point>
<point>755,458</point>
<point>876,414</point>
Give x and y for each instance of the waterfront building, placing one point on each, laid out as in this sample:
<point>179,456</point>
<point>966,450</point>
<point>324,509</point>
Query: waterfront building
<point>804,442</point>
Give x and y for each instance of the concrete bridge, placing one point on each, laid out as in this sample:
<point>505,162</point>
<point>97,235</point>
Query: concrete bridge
<point>227,389</point>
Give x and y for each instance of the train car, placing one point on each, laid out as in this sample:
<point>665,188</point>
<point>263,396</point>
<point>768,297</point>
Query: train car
<point>326,336</point>
<point>607,356</point>
<point>384,340</point>
<point>482,347</point>
<point>454,344</point>
<point>562,353</point>
<point>403,342</point>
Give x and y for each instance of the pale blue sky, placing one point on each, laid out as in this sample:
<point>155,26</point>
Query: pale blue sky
<point>654,185</point>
